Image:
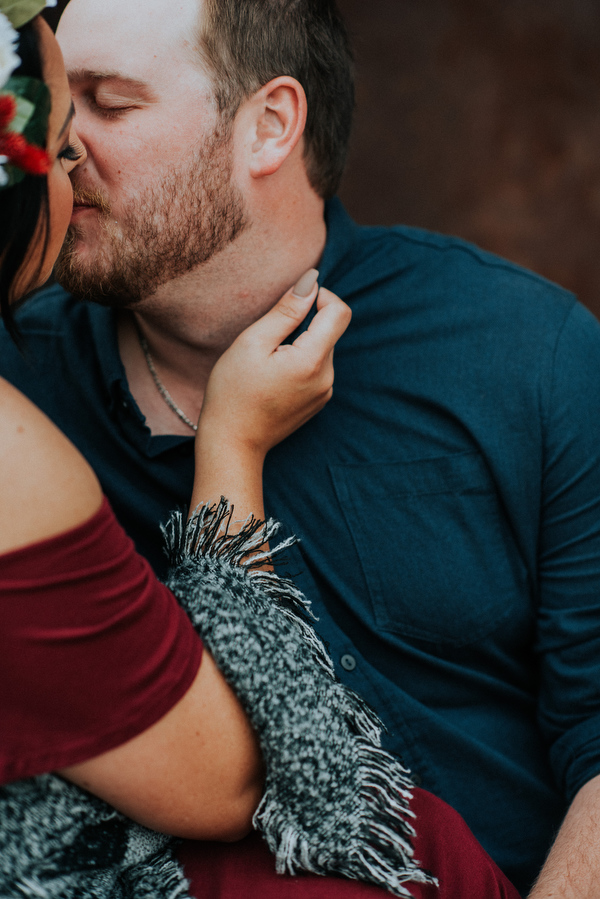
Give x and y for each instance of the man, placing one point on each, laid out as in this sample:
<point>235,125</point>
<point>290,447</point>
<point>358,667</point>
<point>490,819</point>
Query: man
<point>447,499</point>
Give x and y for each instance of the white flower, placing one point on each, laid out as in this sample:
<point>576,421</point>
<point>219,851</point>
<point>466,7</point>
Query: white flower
<point>8,58</point>
<point>3,175</point>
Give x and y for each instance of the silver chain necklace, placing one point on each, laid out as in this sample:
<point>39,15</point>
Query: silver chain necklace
<point>159,384</point>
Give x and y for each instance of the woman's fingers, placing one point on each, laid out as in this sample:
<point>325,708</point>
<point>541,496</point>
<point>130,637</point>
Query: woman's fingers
<point>289,312</point>
<point>332,318</point>
<point>261,389</point>
<point>330,322</point>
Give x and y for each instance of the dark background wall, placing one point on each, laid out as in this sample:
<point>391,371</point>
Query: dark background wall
<point>482,118</point>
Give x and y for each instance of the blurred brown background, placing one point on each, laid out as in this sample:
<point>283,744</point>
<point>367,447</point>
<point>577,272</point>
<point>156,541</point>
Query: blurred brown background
<point>482,118</point>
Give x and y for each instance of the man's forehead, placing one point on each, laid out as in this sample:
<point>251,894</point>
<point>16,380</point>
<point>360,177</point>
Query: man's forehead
<point>106,35</point>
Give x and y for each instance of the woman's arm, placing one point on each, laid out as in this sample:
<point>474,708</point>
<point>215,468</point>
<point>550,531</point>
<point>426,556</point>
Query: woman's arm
<point>261,391</point>
<point>197,772</point>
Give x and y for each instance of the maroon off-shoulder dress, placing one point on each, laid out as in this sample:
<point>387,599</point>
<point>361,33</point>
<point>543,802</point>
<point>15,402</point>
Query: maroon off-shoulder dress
<point>94,650</point>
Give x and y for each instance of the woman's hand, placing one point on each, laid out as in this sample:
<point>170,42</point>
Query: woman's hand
<point>262,390</point>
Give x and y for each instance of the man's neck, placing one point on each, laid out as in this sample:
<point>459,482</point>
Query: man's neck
<point>189,322</point>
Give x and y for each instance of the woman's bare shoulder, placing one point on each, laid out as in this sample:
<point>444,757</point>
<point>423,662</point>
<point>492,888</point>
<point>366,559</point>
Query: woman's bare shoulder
<point>46,485</point>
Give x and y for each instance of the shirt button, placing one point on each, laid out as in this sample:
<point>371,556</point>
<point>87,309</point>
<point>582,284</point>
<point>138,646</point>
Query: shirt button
<point>348,662</point>
<point>125,404</point>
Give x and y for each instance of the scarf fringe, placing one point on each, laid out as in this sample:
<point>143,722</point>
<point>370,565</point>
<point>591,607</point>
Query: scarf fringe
<point>160,875</point>
<point>380,852</point>
<point>206,534</point>
<point>382,855</point>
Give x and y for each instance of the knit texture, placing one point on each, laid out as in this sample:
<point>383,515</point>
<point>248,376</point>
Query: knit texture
<point>59,842</point>
<point>334,803</point>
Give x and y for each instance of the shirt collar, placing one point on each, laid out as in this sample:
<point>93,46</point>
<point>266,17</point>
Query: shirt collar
<point>103,325</point>
<point>122,405</point>
<point>341,234</point>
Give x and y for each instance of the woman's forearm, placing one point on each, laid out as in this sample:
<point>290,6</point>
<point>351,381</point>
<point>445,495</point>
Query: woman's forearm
<point>226,469</point>
<point>260,391</point>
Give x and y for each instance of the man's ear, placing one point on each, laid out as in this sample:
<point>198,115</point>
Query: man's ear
<point>278,120</point>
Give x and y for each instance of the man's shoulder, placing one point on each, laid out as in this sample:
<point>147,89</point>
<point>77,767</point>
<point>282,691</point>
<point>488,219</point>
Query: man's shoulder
<point>396,269</point>
<point>53,320</point>
<point>50,311</point>
<point>404,281</point>
<point>444,256</point>
<point>57,332</point>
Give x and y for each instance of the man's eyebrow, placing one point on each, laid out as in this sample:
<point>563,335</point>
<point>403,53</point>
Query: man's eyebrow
<point>83,76</point>
<point>70,115</point>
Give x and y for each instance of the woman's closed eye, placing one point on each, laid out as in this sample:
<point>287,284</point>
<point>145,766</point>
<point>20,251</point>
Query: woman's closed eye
<point>72,153</point>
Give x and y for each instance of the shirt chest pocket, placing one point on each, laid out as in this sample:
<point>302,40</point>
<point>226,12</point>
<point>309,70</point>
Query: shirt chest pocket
<point>438,557</point>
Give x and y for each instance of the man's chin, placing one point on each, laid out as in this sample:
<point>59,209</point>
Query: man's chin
<point>69,269</point>
<point>78,272</point>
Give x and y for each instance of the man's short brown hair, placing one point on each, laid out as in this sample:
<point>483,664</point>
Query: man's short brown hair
<point>246,43</point>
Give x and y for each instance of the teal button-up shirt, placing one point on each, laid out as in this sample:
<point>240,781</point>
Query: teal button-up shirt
<point>447,501</point>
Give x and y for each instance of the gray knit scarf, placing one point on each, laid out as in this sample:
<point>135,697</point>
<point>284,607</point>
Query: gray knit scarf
<point>334,803</point>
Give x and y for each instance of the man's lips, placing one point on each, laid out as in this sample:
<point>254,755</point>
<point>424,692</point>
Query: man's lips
<point>90,199</point>
<point>83,212</point>
<point>81,203</point>
<point>81,208</point>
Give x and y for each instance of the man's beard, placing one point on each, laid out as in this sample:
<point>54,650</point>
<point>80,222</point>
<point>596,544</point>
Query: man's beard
<point>173,227</point>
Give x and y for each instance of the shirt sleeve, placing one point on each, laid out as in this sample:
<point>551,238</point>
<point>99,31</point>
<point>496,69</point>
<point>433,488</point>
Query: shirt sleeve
<point>93,649</point>
<point>568,637</point>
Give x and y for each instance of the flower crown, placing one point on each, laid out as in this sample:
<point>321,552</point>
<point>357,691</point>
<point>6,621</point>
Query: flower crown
<point>24,102</point>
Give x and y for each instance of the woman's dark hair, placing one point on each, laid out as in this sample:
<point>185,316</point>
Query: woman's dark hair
<point>24,209</point>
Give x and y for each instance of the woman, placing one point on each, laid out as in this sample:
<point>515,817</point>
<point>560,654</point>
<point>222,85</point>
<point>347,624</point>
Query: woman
<point>163,738</point>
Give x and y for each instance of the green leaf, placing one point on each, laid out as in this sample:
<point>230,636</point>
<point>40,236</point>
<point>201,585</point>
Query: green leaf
<point>34,92</point>
<point>25,110</point>
<point>18,12</point>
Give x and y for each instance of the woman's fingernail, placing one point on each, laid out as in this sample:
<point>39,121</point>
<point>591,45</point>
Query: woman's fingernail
<point>304,287</point>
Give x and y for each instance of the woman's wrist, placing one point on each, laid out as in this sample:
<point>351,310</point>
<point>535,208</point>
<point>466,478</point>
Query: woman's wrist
<point>217,433</point>
<point>222,450</point>
<point>226,466</point>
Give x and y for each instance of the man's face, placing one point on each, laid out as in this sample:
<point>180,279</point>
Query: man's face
<point>156,196</point>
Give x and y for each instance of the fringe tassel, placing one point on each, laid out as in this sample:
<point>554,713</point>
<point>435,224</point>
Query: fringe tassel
<point>160,875</point>
<point>366,835</point>
<point>206,534</point>
<point>381,854</point>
